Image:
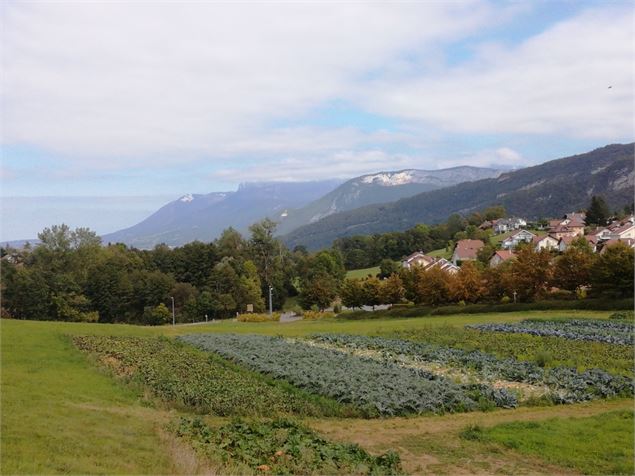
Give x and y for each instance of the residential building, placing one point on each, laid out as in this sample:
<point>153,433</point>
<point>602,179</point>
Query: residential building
<point>466,250</point>
<point>546,242</point>
<point>503,225</point>
<point>499,257</point>
<point>417,259</point>
<point>514,239</point>
<point>627,241</point>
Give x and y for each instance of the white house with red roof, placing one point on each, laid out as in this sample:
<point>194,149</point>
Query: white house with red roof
<point>466,250</point>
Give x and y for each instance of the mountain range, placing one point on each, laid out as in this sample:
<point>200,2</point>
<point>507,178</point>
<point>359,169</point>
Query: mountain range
<point>204,216</point>
<point>546,190</point>
<point>382,187</point>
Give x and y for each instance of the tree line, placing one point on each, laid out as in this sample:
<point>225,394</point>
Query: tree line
<point>530,276</point>
<point>70,276</point>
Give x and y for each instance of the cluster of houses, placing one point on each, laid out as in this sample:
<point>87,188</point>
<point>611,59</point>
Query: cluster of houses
<point>560,234</point>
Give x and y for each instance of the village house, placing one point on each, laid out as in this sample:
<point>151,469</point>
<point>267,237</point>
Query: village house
<point>622,232</point>
<point>444,265</point>
<point>565,242</point>
<point>546,242</point>
<point>571,225</point>
<point>503,225</point>
<point>466,250</point>
<point>514,239</point>
<point>630,242</point>
<point>417,259</point>
<point>500,256</point>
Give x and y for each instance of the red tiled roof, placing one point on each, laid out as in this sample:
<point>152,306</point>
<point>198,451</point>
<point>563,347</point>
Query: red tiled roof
<point>467,249</point>
<point>504,254</point>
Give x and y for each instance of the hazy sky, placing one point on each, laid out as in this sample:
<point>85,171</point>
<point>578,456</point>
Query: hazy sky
<point>143,98</point>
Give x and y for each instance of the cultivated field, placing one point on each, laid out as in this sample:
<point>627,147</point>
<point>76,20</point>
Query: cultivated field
<point>484,393</point>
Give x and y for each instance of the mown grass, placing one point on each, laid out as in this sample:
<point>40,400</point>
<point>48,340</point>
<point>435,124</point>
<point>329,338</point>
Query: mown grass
<point>59,415</point>
<point>601,444</point>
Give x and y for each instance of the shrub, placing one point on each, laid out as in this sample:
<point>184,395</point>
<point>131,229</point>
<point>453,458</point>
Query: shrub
<point>262,317</point>
<point>505,300</point>
<point>337,309</point>
<point>629,315</point>
<point>297,310</point>
<point>316,315</point>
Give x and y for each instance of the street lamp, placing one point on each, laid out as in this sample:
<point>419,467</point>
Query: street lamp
<point>173,319</point>
<point>270,301</point>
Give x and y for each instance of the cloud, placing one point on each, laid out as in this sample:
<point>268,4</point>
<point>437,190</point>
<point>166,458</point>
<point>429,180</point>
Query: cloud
<point>162,82</point>
<point>556,82</point>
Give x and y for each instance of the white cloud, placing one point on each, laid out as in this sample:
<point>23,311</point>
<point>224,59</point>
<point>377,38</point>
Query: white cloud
<point>163,81</point>
<point>556,82</point>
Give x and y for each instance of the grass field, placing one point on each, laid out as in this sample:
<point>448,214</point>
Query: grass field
<point>62,414</point>
<point>362,273</point>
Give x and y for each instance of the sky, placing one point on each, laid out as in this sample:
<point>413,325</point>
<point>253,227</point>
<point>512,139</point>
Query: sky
<point>158,99</point>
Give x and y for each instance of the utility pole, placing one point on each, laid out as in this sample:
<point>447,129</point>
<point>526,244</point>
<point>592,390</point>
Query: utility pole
<point>270,300</point>
<point>173,318</point>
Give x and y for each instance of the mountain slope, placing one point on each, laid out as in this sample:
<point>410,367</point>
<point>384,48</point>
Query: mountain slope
<point>204,216</point>
<point>545,190</point>
<point>381,187</point>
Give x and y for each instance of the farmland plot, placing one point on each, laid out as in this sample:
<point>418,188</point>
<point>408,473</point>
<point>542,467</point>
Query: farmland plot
<point>377,387</point>
<point>177,373</point>
<point>608,331</point>
<point>561,384</point>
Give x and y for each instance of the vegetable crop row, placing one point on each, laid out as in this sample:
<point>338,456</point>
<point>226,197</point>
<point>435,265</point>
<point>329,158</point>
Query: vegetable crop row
<point>608,331</point>
<point>376,387</point>
<point>568,384</point>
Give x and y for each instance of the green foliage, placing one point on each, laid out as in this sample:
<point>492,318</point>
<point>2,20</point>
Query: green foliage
<point>598,212</point>
<point>179,374</point>
<point>623,315</point>
<point>258,317</point>
<point>282,447</point>
<point>155,316</point>
<point>582,355</point>
<point>613,271</point>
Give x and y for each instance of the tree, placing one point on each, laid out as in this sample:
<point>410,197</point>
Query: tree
<point>467,285</point>
<point>155,316</point>
<point>319,290</point>
<point>388,267</point>
<point>431,286</point>
<point>352,293</point>
<point>573,268</point>
<point>392,290</point>
<point>26,295</point>
<point>372,291</point>
<point>494,213</point>
<point>484,254</point>
<point>598,212</point>
<point>530,272</point>
<point>612,272</point>
<point>248,290</point>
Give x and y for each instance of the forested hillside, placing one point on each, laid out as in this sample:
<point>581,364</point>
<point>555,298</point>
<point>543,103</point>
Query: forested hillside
<point>545,190</point>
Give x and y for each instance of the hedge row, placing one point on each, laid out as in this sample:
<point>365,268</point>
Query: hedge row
<point>417,311</point>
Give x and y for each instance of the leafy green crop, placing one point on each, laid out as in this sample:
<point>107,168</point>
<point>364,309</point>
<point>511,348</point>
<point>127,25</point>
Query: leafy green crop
<point>282,447</point>
<point>609,331</point>
<point>614,358</point>
<point>376,387</point>
<point>567,384</point>
<point>177,373</point>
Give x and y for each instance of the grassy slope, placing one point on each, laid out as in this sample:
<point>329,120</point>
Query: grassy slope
<point>60,414</point>
<point>362,273</point>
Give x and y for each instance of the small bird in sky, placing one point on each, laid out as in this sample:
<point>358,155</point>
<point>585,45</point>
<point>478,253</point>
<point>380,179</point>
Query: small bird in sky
<point>610,87</point>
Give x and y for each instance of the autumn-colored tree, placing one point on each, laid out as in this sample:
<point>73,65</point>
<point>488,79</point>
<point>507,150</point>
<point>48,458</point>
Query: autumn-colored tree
<point>468,284</point>
<point>530,273</point>
<point>431,286</point>
<point>392,290</point>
